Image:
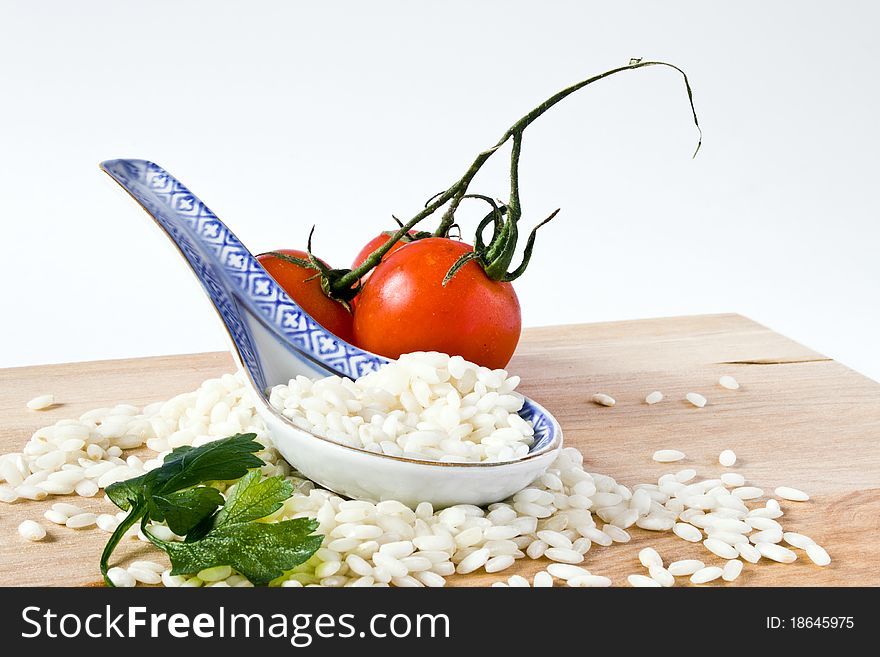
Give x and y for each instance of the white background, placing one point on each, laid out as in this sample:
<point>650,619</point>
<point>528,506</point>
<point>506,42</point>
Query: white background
<point>284,114</point>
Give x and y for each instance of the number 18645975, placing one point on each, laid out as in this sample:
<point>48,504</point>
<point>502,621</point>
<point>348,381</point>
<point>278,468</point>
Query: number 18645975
<point>810,622</point>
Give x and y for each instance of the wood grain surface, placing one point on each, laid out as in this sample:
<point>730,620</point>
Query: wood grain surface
<point>799,419</point>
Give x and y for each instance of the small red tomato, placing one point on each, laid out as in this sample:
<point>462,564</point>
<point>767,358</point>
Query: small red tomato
<point>405,307</point>
<point>371,246</point>
<point>330,314</point>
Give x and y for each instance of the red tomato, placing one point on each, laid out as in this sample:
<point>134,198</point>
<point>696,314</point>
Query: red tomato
<point>330,314</point>
<point>404,307</point>
<point>371,246</point>
<point>364,253</point>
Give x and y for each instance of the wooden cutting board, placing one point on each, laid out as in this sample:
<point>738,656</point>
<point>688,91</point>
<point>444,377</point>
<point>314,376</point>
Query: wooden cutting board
<point>800,419</point>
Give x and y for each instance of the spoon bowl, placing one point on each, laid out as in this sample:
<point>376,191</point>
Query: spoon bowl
<point>273,340</point>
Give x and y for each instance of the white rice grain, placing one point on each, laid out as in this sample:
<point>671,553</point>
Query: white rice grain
<point>748,552</point>
<point>536,549</point>
<point>67,509</point>
<point>722,549</point>
<point>818,555</point>
<point>497,564</point>
<point>776,552</point>
<point>657,523</point>
<point>684,476</point>
<point>41,402</point>
<point>148,565</point>
<point>747,492</point>
<point>596,535</point>
<point>81,521</point>
<point>668,455</point>
<point>542,579</point>
<point>650,557</point>
<point>687,532</point>
<point>7,494</point>
<point>31,531</point>
<point>29,492</point>
<point>617,534</point>
<point>733,479</point>
<point>474,560</point>
<point>696,399</point>
<point>566,571</point>
<point>555,539</point>
<point>761,524</point>
<point>731,570</point>
<point>706,574</point>
<point>121,577</point>
<point>107,522</point>
<point>86,488</point>
<point>798,540</point>
<point>685,567</point>
<point>773,535</point>
<point>728,382</point>
<point>144,575</point>
<point>662,576</point>
<point>563,555</point>
<point>55,517</point>
<point>791,494</point>
<point>429,579</point>
<point>642,581</point>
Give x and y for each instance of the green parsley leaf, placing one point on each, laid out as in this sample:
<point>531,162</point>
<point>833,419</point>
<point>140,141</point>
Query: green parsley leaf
<point>259,551</point>
<point>126,494</point>
<point>157,494</point>
<point>220,460</point>
<point>252,499</point>
<point>184,510</point>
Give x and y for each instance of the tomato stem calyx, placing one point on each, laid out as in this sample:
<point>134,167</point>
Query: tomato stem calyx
<point>300,262</point>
